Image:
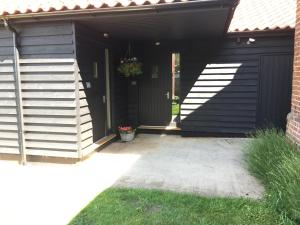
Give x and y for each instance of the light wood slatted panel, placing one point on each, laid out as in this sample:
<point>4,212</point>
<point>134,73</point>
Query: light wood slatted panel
<point>49,102</point>
<point>48,90</point>
<point>9,139</point>
<point>86,142</point>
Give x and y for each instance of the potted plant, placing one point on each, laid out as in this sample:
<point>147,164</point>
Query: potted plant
<point>126,133</point>
<point>130,66</point>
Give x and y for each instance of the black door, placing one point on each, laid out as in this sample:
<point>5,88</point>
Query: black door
<point>99,121</point>
<point>155,88</point>
<point>275,90</point>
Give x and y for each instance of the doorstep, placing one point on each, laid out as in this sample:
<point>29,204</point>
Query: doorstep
<point>98,145</point>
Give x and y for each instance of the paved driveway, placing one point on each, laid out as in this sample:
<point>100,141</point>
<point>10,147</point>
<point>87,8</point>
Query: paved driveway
<point>51,194</point>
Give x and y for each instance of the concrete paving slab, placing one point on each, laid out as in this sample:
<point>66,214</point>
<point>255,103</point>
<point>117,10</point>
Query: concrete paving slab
<point>206,166</point>
<point>52,194</point>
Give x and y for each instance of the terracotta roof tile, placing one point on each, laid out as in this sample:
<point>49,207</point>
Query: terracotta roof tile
<point>250,15</point>
<point>261,15</point>
<point>10,7</point>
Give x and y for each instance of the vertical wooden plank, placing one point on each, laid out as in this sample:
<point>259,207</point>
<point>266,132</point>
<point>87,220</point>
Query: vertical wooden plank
<point>76,73</point>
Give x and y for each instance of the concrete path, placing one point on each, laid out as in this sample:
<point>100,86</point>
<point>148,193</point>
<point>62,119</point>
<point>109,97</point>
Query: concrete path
<point>206,166</point>
<point>52,194</point>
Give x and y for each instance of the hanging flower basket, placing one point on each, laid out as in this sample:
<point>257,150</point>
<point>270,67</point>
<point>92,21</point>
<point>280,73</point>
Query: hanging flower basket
<point>127,133</point>
<point>130,66</point>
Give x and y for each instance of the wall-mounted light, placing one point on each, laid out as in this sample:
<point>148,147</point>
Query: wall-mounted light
<point>106,35</point>
<point>251,41</point>
<point>157,43</point>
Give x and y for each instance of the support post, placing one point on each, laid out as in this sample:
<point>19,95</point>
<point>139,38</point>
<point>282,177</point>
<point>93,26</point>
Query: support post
<point>18,92</point>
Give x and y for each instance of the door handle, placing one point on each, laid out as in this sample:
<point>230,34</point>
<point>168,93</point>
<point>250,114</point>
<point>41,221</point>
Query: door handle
<point>167,95</point>
<point>104,99</point>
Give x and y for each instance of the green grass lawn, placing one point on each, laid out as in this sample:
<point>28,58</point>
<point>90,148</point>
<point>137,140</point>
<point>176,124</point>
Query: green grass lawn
<point>143,207</point>
<point>175,109</point>
<point>271,157</point>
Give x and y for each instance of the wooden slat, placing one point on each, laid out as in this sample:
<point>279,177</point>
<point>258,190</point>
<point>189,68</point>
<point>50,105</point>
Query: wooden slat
<point>220,71</point>
<point>83,102</point>
<point>205,130</point>
<point>48,30</point>
<point>50,129</point>
<point>86,135</point>
<point>220,106</point>
<point>7,102</point>
<point>43,77</point>
<point>50,112</point>
<point>223,89</point>
<point>225,83</point>
<point>85,118</point>
<point>81,87</point>
<point>52,153</point>
<point>7,86</point>
<point>220,100</point>
<point>218,124</point>
<point>222,95</point>
<point>6,77</point>
<point>51,145</point>
<point>41,103</point>
<point>8,127</point>
<point>84,110</point>
<point>9,150</point>
<point>51,137</point>
<point>8,111</point>
<point>7,94</point>
<point>8,119</point>
<point>51,49</point>
<point>47,86</point>
<point>6,69</point>
<point>47,120</point>
<point>6,134</point>
<point>86,142</point>
<point>48,94</point>
<point>224,65</point>
<point>9,143</point>
<point>86,126</point>
<point>46,68</point>
<point>52,40</point>
<point>82,94</point>
<point>6,62</point>
<point>6,42</point>
<point>46,61</point>
<point>228,77</point>
<point>222,118</point>
<point>206,112</point>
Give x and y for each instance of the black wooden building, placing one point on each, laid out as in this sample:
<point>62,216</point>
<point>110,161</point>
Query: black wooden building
<point>62,96</point>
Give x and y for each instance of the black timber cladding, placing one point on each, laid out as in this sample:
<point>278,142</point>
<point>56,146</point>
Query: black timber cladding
<point>90,49</point>
<point>221,84</point>
<point>47,64</point>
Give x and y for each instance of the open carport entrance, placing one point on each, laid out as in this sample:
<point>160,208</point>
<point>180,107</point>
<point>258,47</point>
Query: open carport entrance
<point>154,34</point>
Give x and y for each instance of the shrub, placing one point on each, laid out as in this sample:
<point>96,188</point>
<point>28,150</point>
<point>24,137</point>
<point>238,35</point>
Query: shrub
<point>276,162</point>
